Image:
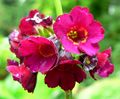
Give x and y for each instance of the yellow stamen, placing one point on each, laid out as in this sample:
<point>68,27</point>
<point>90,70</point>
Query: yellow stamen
<point>72,34</point>
<point>87,60</point>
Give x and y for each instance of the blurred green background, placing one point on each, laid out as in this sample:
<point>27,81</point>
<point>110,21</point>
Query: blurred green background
<point>106,11</point>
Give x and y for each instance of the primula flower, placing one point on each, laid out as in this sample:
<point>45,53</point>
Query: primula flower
<point>14,39</point>
<point>23,75</point>
<point>40,54</point>
<point>78,31</point>
<point>99,64</point>
<point>28,24</point>
<point>105,68</point>
<point>65,75</point>
<point>75,32</point>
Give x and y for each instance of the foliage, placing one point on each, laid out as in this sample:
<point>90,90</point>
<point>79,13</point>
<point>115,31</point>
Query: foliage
<point>10,89</point>
<point>4,55</point>
<point>103,89</point>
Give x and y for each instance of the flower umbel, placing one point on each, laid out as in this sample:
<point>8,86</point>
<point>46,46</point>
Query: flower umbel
<point>62,50</point>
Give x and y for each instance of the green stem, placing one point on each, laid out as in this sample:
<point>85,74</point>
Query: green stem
<point>68,94</point>
<point>58,7</point>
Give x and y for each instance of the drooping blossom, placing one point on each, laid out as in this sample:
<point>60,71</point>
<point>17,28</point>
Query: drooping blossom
<point>65,75</point>
<point>23,75</point>
<point>40,54</point>
<point>99,64</point>
<point>105,67</point>
<point>14,39</point>
<point>78,31</point>
<point>28,24</point>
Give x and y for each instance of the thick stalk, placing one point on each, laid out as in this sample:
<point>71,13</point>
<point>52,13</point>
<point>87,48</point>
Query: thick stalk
<point>58,7</point>
<point>68,94</point>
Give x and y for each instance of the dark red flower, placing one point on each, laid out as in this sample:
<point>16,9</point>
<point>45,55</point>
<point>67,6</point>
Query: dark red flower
<point>27,27</point>
<point>65,75</point>
<point>37,18</point>
<point>35,11</point>
<point>40,54</point>
<point>23,75</point>
<point>28,24</point>
<point>47,21</point>
<point>78,31</point>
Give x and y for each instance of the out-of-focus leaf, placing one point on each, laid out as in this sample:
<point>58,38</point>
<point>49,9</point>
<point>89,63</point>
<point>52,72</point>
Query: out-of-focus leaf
<point>103,89</point>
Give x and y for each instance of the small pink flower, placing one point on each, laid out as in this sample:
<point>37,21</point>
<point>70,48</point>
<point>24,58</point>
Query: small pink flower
<point>78,31</point>
<point>98,64</point>
<point>23,75</point>
<point>104,67</point>
<point>40,54</point>
<point>65,75</point>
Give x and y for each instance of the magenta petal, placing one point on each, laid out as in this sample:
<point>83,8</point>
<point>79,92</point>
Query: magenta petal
<point>48,64</point>
<point>37,63</point>
<point>14,70</point>
<point>67,81</point>
<point>96,32</point>
<point>33,62</point>
<point>106,70</point>
<point>33,45</point>
<point>14,39</point>
<point>33,12</point>
<point>102,58</point>
<point>26,27</point>
<point>108,51</point>
<point>88,48</point>
<point>62,25</point>
<point>52,79</point>
<point>69,45</point>
<point>81,16</point>
<point>27,47</point>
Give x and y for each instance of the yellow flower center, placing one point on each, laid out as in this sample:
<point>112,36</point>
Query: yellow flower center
<point>77,36</point>
<point>72,34</point>
<point>87,60</point>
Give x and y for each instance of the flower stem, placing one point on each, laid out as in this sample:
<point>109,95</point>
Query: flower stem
<point>58,7</point>
<point>68,94</point>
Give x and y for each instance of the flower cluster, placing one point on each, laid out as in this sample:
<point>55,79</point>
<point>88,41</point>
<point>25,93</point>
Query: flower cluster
<point>76,32</point>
